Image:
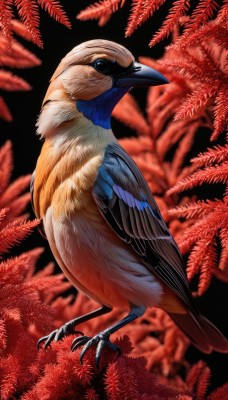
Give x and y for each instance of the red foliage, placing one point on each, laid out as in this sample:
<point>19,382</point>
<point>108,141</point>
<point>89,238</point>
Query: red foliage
<point>23,316</point>
<point>176,114</point>
<point>15,56</point>
<point>12,53</point>
<point>56,373</point>
<point>197,25</point>
<point>28,11</point>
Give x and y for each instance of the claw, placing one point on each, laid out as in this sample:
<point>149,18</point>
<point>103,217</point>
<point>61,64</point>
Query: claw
<point>57,335</point>
<point>47,339</point>
<point>101,340</point>
<point>100,347</point>
<point>79,341</point>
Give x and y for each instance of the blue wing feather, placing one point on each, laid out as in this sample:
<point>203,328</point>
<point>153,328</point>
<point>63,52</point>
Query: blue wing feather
<point>125,201</point>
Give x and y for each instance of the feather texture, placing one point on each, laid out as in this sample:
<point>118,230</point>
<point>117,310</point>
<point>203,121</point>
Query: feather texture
<point>95,203</point>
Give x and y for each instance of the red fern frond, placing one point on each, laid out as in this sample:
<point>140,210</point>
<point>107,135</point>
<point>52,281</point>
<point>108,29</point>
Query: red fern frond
<point>206,69</point>
<point>100,9</point>
<point>207,267</point>
<point>196,102</point>
<point>223,262</point>
<point>5,165</point>
<point>17,57</point>
<point>10,269</point>
<point>201,261</point>
<point>215,30</point>
<point>203,12</point>
<point>211,174</point>
<point>14,190</point>
<point>55,11</point>
<point>182,150</point>
<point>178,10</point>
<point>200,239</point>
<point>4,111</point>
<point>196,209</point>
<point>11,82</point>
<point>198,25</point>
<point>220,393</point>
<point>198,379</point>
<point>141,10</point>
<point>29,13</point>
<point>214,155</point>
<point>14,233</point>
<point>221,112</point>
<point>135,16</point>
<point>18,205</point>
<point>20,29</point>
<point>6,16</point>
<point>207,227</point>
<point>196,257</point>
<point>171,135</point>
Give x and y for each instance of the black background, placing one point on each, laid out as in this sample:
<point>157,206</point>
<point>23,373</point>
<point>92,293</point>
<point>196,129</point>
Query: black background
<point>25,107</point>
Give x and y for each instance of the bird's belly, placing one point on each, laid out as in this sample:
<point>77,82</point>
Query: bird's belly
<point>100,264</point>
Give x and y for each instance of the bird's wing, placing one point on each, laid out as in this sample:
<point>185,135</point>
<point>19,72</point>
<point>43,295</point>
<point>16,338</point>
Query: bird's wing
<point>125,201</point>
<point>40,227</point>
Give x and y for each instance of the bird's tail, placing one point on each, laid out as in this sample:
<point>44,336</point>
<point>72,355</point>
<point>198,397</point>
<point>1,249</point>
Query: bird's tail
<point>203,334</point>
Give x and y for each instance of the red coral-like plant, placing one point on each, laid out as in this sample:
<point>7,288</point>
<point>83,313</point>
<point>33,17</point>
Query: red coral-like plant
<point>177,114</point>
<point>14,57</point>
<point>23,315</point>
<point>197,24</point>
<point>28,11</point>
<point>12,53</point>
<point>25,299</point>
<point>56,373</point>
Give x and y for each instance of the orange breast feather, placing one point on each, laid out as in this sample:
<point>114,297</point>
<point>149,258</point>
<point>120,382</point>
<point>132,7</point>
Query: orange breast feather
<point>64,180</point>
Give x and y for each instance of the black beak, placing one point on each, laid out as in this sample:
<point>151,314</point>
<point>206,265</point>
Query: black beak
<point>141,75</point>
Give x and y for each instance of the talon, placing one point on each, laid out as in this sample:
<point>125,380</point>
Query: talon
<point>47,339</point>
<point>86,347</point>
<point>57,335</point>
<point>79,341</point>
<point>101,340</point>
<point>110,345</point>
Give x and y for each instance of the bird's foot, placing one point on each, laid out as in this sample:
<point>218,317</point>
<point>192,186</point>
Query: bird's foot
<point>58,334</point>
<point>101,340</point>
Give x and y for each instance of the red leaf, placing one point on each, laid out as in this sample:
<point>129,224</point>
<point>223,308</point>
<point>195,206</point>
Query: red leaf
<point>55,10</point>
<point>178,10</point>
<point>100,9</point>
<point>28,11</point>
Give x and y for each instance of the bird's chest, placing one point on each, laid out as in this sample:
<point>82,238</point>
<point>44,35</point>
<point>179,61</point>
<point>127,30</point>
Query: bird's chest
<point>74,194</point>
<point>65,182</point>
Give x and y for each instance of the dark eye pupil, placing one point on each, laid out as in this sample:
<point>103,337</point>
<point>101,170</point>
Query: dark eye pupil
<point>102,65</point>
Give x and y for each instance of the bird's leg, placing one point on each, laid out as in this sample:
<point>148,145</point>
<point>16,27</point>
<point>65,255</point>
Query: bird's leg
<point>68,328</point>
<point>101,340</point>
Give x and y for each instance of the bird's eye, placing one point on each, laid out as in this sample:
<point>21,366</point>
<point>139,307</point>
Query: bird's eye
<point>102,65</point>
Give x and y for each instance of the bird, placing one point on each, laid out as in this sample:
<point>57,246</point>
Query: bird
<point>98,214</point>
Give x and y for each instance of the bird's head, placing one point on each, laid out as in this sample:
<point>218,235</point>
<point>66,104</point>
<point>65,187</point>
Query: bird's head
<point>93,77</point>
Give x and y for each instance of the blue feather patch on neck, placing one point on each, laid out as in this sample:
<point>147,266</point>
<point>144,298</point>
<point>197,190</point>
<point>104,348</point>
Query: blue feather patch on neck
<point>99,110</point>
